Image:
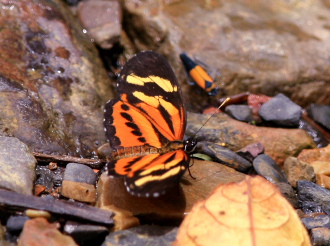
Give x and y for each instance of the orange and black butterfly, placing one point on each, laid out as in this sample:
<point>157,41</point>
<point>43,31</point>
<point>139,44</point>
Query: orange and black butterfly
<point>198,75</point>
<point>145,127</point>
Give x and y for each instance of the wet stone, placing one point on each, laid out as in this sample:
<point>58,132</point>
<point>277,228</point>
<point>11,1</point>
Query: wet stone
<point>296,170</point>
<point>17,166</point>
<point>223,155</point>
<point>251,151</point>
<point>320,114</point>
<point>79,173</point>
<point>266,167</point>
<point>15,224</point>
<point>313,198</point>
<point>86,234</point>
<point>281,111</point>
<point>320,236</point>
<point>143,235</point>
<point>49,178</point>
<point>317,221</point>
<point>240,112</point>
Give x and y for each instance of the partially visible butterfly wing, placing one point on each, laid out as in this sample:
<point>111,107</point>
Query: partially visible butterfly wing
<point>151,175</point>
<point>150,108</point>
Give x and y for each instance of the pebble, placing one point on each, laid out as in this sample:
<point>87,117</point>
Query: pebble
<point>313,198</point>
<point>79,173</point>
<point>240,112</point>
<point>322,172</point>
<point>317,221</point>
<point>266,167</point>
<point>251,151</point>
<point>143,235</point>
<point>320,114</point>
<point>15,224</point>
<point>86,234</point>
<point>280,110</point>
<point>224,156</point>
<point>41,231</point>
<point>17,165</point>
<point>78,191</point>
<point>296,170</point>
<point>320,236</point>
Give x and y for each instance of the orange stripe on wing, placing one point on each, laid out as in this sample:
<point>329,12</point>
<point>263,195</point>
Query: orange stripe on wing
<point>199,75</point>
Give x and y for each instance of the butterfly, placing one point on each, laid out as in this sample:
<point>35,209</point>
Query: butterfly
<point>145,127</point>
<point>198,75</point>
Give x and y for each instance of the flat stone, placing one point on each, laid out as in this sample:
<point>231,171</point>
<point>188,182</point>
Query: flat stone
<point>320,114</point>
<point>296,170</point>
<point>17,166</point>
<point>240,112</point>
<point>281,111</point>
<point>79,173</point>
<point>175,203</point>
<point>266,167</point>
<point>235,135</point>
<point>79,191</point>
<point>41,231</point>
<point>86,234</point>
<point>317,221</point>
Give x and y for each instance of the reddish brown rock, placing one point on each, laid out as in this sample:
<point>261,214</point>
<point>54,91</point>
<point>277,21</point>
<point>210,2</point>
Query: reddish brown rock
<point>78,191</point>
<point>322,171</point>
<point>39,232</point>
<point>279,143</point>
<point>173,205</point>
<point>296,170</point>
<point>311,155</point>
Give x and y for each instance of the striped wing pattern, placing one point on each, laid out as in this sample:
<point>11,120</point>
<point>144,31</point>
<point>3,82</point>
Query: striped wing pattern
<point>149,111</point>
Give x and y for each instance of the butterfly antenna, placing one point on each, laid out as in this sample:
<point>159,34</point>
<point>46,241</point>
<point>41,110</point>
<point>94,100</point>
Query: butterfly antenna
<point>223,103</point>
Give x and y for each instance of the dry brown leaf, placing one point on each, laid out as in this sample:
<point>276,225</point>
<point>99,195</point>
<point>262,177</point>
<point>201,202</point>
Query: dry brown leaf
<point>251,212</point>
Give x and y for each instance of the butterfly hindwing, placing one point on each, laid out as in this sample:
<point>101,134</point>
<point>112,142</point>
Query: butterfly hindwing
<point>150,174</point>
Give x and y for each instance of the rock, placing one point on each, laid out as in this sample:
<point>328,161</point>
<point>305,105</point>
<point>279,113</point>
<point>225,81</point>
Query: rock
<point>256,101</point>
<point>240,112</point>
<point>280,110</point>
<point>123,219</point>
<point>313,198</point>
<point>78,191</point>
<point>223,155</point>
<point>33,213</point>
<point>15,224</point>
<point>251,151</point>
<point>236,135</point>
<point>296,170</point>
<point>311,155</point>
<point>266,167</point>
<point>53,84</point>
<point>39,230</point>
<point>254,45</point>
<point>171,206</point>
<point>288,192</point>
<point>143,235</point>
<point>86,234</point>
<point>102,20</point>
<point>317,221</point>
<point>317,135</point>
<point>322,172</point>
<point>320,236</point>
<point>320,114</point>
<point>80,173</point>
<point>17,165</point>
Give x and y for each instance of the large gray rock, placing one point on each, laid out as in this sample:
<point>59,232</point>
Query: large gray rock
<point>17,166</point>
<point>259,46</point>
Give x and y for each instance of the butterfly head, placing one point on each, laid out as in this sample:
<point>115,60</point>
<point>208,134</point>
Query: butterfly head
<point>190,145</point>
